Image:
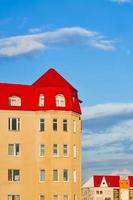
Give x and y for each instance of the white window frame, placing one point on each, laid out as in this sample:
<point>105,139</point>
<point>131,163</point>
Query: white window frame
<point>41,196</point>
<point>13,177</point>
<point>14,101</point>
<point>40,175</point>
<point>60,100</point>
<point>65,155</point>
<point>65,195</point>
<point>74,126</point>
<point>57,175</point>
<point>41,100</point>
<point>41,122</point>
<point>41,148</point>
<point>11,196</point>
<point>57,148</point>
<point>10,124</point>
<point>74,176</point>
<point>74,151</point>
<point>14,150</point>
<point>67,175</point>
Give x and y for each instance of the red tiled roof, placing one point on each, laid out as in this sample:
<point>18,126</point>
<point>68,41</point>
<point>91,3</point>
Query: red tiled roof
<point>112,181</point>
<point>50,84</point>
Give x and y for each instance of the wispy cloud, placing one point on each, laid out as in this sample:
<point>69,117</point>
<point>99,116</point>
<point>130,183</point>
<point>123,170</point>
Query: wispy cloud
<point>25,44</point>
<point>103,110</point>
<point>108,150</point>
<point>122,1</point>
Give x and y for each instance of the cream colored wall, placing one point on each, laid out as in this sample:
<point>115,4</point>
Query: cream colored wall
<point>106,192</point>
<point>29,161</point>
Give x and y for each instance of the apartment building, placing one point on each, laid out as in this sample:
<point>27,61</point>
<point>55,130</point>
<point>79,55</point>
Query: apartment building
<point>108,188</point>
<point>40,140</point>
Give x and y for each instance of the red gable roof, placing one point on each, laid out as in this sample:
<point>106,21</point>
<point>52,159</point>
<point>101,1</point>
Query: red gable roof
<point>50,84</point>
<point>112,181</point>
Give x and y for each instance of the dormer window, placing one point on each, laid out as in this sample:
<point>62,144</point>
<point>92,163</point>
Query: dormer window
<point>14,101</point>
<point>60,100</point>
<point>41,100</point>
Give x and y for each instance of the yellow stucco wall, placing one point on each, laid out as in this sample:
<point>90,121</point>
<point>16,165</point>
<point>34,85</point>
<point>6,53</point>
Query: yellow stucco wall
<point>29,161</point>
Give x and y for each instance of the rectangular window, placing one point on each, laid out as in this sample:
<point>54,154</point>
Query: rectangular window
<point>55,175</point>
<point>13,149</point>
<point>41,100</point>
<point>55,197</point>
<point>13,175</point>
<point>65,150</point>
<point>42,175</point>
<point>55,149</point>
<point>41,197</point>
<point>54,124</point>
<point>65,175</point>
<point>74,176</point>
<point>65,197</point>
<point>74,126</point>
<point>13,197</point>
<point>75,197</point>
<point>64,125</point>
<point>74,151</point>
<point>14,124</point>
<point>42,150</point>
<point>42,125</point>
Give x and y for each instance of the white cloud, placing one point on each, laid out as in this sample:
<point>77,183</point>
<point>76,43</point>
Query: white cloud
<point>35,30</point>
<point>24,44</point>
<point>104,110</point>
<point>124,172</point>
<point>117,133</point>
<point>122,1</point>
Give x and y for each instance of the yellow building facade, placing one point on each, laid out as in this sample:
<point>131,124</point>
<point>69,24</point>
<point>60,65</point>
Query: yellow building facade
<point>41,147</point>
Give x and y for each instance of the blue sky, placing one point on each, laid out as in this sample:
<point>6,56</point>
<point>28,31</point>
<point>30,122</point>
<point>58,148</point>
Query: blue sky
<point>90,44</point>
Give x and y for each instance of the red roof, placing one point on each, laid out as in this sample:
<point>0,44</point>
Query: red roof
<point>130,178</point>
<point>112,181</point>
<point>50,84</point>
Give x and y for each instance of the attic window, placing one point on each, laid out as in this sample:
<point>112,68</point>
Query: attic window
<point>41,100</point>
<point>14,101</point>
<point>60,100</point>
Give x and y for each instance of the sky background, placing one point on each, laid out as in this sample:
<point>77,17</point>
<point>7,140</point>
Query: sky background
<point>90,43</point>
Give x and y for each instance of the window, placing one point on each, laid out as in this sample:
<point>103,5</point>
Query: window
<point>65,150</point>
<point>75,197</point>
<point>55,175</point>
<point>55,149</point>
<point>13,175</point>
<point>14,124</point>
<point>42,125</point>
<point>42,150</point>
<point>13,197</point>
<point>64,125</point>
<point>74,176</point>
<point>54,124</point>
<point>74,151</point>
<point>60,100</point>
<point>55,197</point>
<point>41,100</point>
<point>13,149</point>
<point>65,197</point>
<point>74,126</point>
<point>41,197</point>
<point>14,101</point>
<point>65,175</point>
<point>42,175</point>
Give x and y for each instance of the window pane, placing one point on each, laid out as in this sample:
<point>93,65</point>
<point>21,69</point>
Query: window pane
<point>55,149</point>
<point>65,175</point>
<point>55,197</point>
<point>14,124</point>
<point>16,175</point>
<point>42,197</point>
<point>65,150</point>
<point>42,149</point>
<point>42,124</point>
<point>11,149</point>
<point>9,175</point>
<point>55,175</point>
<point>54,124</point>
<point>60,100</point>
<point>74,126</point>
<point>42,175</point>
<point>64,125</point>
<point>17,149</point>
<point>65,197</point>
<point>41,100</point>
